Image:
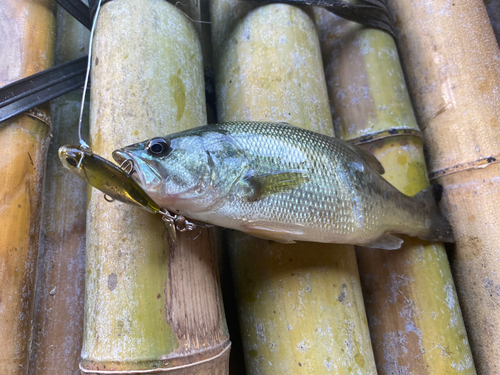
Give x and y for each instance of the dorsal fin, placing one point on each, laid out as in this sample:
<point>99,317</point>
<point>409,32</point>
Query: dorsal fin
<point>369,158</point>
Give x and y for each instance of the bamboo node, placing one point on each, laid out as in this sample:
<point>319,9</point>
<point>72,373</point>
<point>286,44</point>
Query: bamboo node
<point>225,352</point>
<point>40,115</point>
<point>476,164</point>
<point>387,133</point>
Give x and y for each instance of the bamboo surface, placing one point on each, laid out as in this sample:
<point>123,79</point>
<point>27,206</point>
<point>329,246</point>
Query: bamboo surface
<point>27,30</point>
<point>451,58</point>
<point>58,333</point>
<point>150,305</point>
<point>415,320</point>
<point>300,306</point>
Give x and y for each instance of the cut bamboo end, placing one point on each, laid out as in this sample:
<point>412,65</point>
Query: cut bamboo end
<point>26,48</point>
<point>452,61</point>
<point>300,306</point>
<point>412,307</point>
<point>57,341</point>
<point>151,306</point>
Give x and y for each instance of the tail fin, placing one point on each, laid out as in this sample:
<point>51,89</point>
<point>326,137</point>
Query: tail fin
<point>437,226</point>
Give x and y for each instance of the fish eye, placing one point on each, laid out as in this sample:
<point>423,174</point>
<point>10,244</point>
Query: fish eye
<point>158,147</point>
<point>71,162</point>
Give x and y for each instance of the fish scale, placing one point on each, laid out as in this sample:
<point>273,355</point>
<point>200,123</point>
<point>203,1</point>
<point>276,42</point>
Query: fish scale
<point>281,182</point>
<point>318,201</point>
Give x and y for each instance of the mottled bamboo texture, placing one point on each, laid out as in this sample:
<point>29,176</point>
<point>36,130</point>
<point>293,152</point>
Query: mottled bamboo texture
<point>415,321</point>
<point>493,9</point>
<point>150,305</point>
<point>300,306</point>
<point>452,62</point>
<point>26,47</point>
<point>57,342</point>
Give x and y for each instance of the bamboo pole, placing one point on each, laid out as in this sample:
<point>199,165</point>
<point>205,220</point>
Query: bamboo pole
<point>151,305</point>
<point>58,334</point>
<point>415,321</point>
<point>452,61</point>
<point>27,29</point>
<point>300,306</point>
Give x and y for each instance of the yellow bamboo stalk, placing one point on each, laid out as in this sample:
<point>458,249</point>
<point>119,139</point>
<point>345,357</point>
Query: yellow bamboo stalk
<point>300,306</point>
<point>150,305</point>
<point>452,61</point>
<point>415,320</point>
<point>26,47</point>
<point>58,334</point>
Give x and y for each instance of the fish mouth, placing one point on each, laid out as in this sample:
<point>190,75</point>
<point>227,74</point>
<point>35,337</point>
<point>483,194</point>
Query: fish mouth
<point>139,170</point>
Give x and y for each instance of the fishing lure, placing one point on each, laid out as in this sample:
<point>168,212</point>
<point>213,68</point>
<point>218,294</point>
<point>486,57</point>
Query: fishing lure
<point>116,182</point>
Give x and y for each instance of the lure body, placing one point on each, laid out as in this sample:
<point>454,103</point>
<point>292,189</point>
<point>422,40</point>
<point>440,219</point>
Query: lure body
<point>106,176</point>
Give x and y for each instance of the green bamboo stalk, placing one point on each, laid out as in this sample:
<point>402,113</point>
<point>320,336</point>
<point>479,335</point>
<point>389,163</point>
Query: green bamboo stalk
<point>26,47</point>
<point>300,306</point>
<point>151,305</point>
<point>452,61</point>
<point>415,320</point>
<point>58,335</point>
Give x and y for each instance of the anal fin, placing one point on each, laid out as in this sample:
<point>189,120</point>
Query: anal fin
<point>385,242</point>
<point>274,234</point>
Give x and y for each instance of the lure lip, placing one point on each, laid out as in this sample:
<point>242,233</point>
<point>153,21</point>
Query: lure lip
<point>120,156</point>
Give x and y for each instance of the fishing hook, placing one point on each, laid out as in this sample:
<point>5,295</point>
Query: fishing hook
<point>198,235</point>
<point>180,223</point>
<point>128,167</point>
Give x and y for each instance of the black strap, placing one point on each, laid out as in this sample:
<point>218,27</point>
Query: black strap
<point>79,10</point>
<point>371,13</point>
<point>39,88</point>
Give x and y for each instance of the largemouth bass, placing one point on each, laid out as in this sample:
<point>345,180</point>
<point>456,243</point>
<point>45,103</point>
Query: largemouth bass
<point>280,182</point>
<point>106,176</point>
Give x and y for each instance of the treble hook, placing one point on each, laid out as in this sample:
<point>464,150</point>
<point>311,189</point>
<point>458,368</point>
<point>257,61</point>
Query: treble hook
<point>198,235</point>
<point>175,222</point>
<point>169,221</point>
<point>128,167</point>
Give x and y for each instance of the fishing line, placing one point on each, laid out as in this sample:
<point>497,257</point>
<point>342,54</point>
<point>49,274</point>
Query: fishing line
<point>179,2</point>
<point>84,146</point>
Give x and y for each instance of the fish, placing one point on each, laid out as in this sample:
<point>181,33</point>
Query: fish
<point>280,182</point>
<point>106,176</point>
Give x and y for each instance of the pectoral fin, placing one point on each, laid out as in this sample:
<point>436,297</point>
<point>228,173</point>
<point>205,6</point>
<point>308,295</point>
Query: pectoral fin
<point>261,186</point>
